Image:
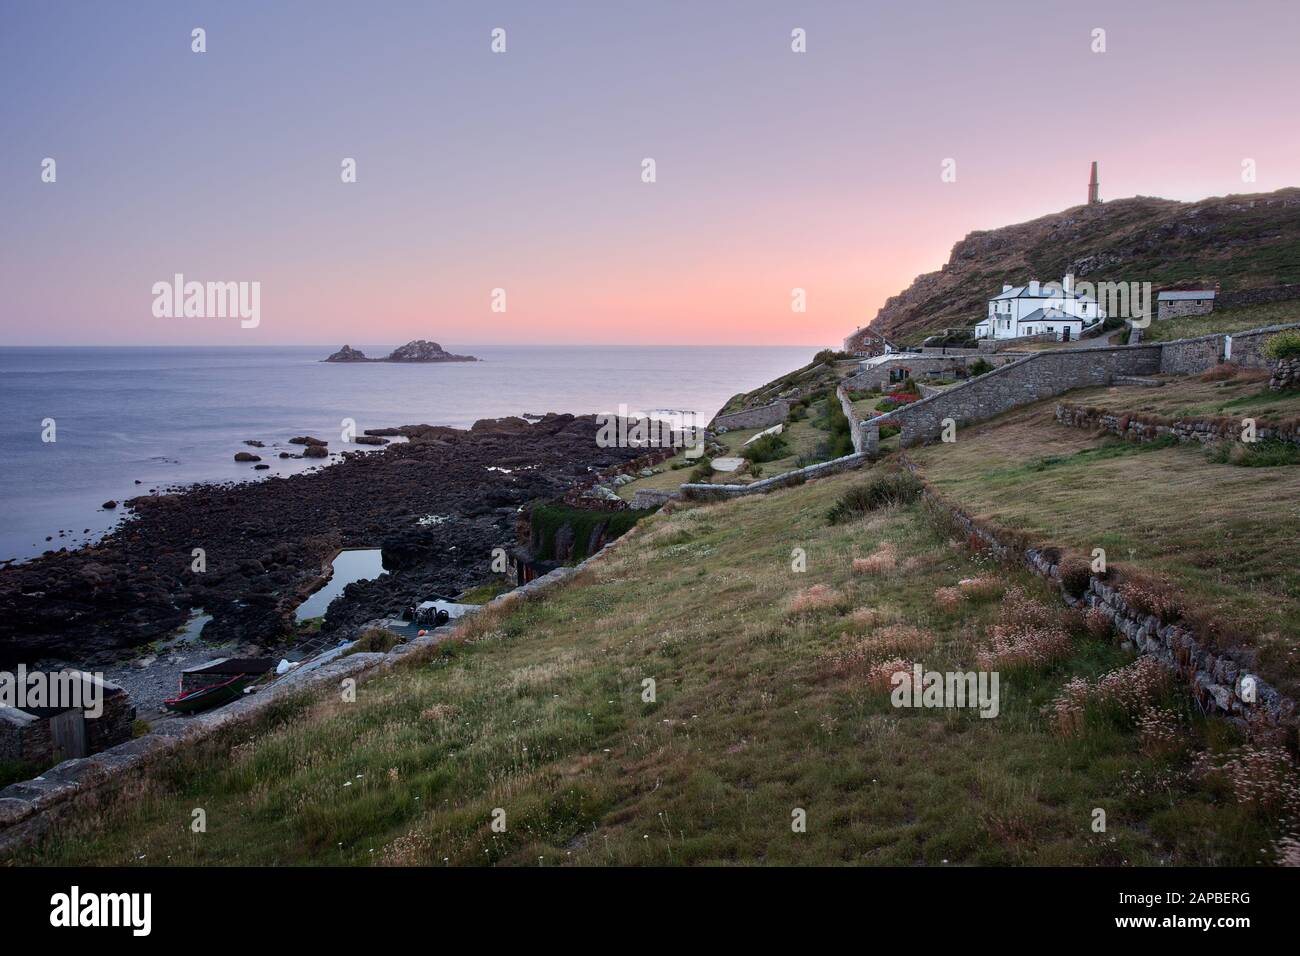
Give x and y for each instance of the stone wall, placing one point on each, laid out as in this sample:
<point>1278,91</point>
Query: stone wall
<point>1022,382</point>
<point>1193,356</point>
<point>706,492</point>
<point>877,376</point>
<point>1216,677</point>
<point>855,423</point>
<point>28,809</point>
<point>1286,375</point>
<point>1277,293</point>
<point>24,738</point>
<point>1173,308</point>
<point>1146,428</point>
<point>764,417</point>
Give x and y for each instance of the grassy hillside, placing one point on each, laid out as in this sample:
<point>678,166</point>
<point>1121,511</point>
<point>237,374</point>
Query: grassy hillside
<point>1240,241</point>
<point>771,696</point>
<point>1227,537</point>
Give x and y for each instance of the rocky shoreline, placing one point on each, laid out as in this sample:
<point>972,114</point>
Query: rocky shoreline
<point>266,545</point>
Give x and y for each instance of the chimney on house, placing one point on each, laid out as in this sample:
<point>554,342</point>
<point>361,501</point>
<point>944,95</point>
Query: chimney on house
<point>1006,287</point>
<point>1068,284</point>
<point>1094,187</point>
<point>1033,287</point>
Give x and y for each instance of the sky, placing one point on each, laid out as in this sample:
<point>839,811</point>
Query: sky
<point>523,170</point>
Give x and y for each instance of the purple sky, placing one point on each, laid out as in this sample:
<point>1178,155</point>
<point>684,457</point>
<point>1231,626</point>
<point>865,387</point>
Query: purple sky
<point>522,170</point>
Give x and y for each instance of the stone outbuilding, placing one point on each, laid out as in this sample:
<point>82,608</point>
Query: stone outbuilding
<point>46,735</point>
<point>1173,303</point>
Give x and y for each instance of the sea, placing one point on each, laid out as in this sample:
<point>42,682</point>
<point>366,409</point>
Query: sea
<point>83,426</point>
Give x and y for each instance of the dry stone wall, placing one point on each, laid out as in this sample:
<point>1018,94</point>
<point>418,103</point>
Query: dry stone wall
<point>1022,382</point>
<point>1220,680</point>
<point>763,417</point>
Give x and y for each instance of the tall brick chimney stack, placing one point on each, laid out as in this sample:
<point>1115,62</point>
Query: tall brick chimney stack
<point>1093,186</point>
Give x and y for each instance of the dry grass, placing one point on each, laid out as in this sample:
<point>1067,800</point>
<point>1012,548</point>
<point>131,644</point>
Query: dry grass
<point>1224,540</point>
<point>539,710</point>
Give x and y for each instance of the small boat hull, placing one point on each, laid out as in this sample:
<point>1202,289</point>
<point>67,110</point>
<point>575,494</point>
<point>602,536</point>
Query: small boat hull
<point>207,697</point>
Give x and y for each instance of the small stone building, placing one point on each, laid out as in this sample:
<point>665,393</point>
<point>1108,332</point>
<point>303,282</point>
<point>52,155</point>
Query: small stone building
<point>1174,303</point>
<point>46,735</point>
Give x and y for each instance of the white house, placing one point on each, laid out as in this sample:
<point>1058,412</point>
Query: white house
<point>1036,309</point>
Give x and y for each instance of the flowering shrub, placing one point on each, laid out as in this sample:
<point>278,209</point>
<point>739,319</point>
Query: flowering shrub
<point>1133,690</point>
<point>1066,712</point>
<point>810,600</point>
<point>1158,730</point>
<point>1262,778</point>
<point>1156,598</point>
<point>1097,623</point>
<point>887,643</point>
<point>881,676</point>
<point>949,599</point>
<point>981,588</point>
<point>1028,633</point>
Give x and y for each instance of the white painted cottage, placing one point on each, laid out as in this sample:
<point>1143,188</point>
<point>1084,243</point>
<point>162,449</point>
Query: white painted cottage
<point>1054,308</point>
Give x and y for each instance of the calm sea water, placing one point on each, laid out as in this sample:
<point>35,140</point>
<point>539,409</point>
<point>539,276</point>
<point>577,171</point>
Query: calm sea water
<point>162,416</point>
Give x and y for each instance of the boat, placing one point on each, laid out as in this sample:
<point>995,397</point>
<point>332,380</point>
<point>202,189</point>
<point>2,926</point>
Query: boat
<point>211,696</point>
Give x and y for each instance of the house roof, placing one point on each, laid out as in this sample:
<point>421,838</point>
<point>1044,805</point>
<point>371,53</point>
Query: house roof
<point>1181,295</point>
<point>1022,292</point>
<point>1050,315</point>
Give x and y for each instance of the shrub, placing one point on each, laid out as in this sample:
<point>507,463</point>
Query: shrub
<point>980,366</point>
<point>1028,633</point>
<point>810,600</point>
<point>982,588</point>
<point>949,599</point>
<point>1152,597</point>
<point>884,559</point>
<point>1075,577</point>
<point>703,471</point>
<point>1284,345</point>
<point>881,676</point>
<point>1262,778</point>
<point>766,448</point>
<point>894,488</point>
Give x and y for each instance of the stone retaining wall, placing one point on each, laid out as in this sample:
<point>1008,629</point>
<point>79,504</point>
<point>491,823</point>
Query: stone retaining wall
<point>706,492</point>
<point>1022,382</point>
<point>855,424</point>
<point>1220,680</point>
<point>1146,428</point>
<point>1277,293</point>
<point>764,417</point>
<point>1196,355</point>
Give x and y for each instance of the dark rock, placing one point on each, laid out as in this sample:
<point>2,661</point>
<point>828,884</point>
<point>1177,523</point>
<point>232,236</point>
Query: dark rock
<point>370,440</point>
<point>348,354</point>
<point>260,467</point>
<point>246,456</point>
<point>315,451</point>
<point>307,440</point>
<point>109,505</point>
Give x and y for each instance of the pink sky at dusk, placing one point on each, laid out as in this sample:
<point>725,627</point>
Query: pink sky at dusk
<point>522,170</point>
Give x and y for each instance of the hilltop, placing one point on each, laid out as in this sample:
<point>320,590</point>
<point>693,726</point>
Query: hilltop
<point>1241,242</point>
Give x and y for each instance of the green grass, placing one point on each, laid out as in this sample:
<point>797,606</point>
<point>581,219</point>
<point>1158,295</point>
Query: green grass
<point>483,593</point>
<point>1227,537</point>
<point>539,711</point>
<point>1233,319</point>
